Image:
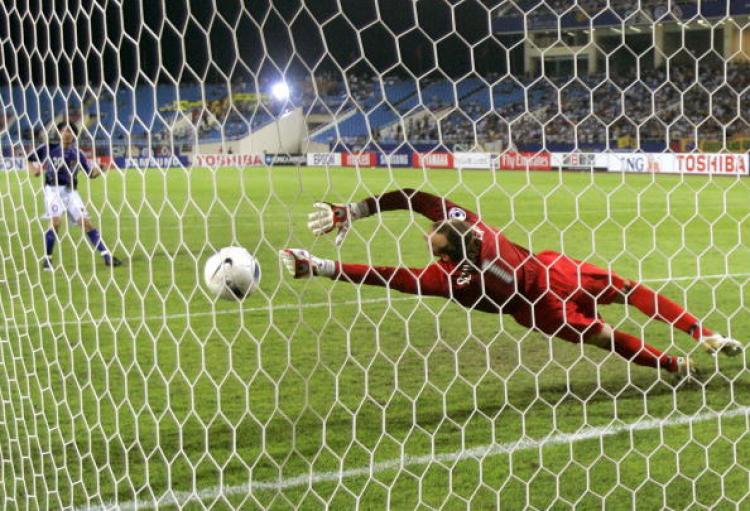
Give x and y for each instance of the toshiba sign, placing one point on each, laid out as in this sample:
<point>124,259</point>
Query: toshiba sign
<point>670,163</point>
<point>711,163</point>
<point>228,160</point>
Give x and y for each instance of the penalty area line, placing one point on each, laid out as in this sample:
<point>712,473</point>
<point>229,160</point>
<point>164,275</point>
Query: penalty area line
<point>181,498</point>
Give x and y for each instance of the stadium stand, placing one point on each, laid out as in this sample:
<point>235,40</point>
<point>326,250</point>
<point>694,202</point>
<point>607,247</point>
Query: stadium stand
<point>665,105</point>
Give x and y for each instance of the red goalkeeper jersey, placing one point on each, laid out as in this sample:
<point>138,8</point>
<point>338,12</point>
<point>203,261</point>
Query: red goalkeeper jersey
<point>505,279</point>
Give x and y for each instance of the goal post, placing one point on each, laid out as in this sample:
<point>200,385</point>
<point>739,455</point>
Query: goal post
<point>614,132</point>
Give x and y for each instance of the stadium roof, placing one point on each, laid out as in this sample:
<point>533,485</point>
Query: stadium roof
<point>539,16</point>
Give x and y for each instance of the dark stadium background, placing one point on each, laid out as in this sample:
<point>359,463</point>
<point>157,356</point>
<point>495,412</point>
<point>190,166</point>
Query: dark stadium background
<point>65,51</point>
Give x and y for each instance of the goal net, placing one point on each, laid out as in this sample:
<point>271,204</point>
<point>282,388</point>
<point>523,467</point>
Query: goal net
<point>615,132</point>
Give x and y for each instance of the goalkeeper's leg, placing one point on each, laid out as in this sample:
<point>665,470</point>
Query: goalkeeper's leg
<point>657,306</point>
<point>576,323</point>
<point>608,287</point>
<point>637,350</point>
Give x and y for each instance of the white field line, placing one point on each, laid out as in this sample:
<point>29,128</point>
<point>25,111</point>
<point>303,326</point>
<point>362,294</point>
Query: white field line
<point>295,306</point>
<point>182,315</point>
<point>181,498</point>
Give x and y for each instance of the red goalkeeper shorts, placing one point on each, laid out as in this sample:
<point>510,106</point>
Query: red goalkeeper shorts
<point>564,296</point>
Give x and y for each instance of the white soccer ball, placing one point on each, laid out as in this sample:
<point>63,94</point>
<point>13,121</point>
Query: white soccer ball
<point>232,273</point>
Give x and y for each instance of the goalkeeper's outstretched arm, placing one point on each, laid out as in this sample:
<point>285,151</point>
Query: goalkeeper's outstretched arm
<point>431,206</point>
<point>328,217</point>
<point>431,280</point>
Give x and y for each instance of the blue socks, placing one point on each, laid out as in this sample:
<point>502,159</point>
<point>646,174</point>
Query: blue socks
<point>49,241</point>
<point>50,238</point>
<point>96,241</point>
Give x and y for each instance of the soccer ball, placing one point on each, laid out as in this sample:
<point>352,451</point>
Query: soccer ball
<point>232,273</point>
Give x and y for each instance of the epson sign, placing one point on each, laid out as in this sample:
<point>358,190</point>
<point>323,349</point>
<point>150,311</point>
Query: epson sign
<point>324,159</point>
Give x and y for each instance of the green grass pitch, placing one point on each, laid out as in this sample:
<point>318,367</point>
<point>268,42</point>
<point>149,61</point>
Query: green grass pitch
<point>129,386</point>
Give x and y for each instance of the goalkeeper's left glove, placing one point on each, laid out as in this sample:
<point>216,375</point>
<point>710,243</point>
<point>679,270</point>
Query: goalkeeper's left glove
<point>301,264</point>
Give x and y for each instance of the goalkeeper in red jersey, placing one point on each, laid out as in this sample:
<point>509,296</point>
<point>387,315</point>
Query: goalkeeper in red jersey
<point>481,269</point>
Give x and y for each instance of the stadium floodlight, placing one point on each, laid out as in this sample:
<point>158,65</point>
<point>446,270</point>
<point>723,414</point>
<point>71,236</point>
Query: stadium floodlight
<point>280,91</point>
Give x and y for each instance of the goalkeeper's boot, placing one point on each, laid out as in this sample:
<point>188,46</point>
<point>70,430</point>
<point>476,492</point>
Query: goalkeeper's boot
<point>687,369</point>
<point>717,343</point>
<point>301,264</point>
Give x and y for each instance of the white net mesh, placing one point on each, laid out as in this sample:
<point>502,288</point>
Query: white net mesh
<point>223,122</point>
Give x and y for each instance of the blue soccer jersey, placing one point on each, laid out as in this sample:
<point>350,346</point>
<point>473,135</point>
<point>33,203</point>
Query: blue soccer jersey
<point>61,165</point>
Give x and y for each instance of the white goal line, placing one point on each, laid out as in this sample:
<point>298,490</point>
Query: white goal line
<point>180,498</point>
<point>294,306</point>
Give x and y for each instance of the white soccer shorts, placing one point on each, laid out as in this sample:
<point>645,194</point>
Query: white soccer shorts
<point>60,200</point>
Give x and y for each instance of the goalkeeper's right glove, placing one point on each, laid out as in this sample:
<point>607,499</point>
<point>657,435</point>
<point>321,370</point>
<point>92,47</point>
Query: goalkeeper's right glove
<point>301,264</point>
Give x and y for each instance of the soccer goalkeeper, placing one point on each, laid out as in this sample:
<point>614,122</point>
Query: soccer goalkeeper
<point>480,268</point>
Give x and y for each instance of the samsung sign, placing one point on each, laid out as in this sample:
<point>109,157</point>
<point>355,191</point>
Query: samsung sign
<point>394,160</point>
<point>152,162</point>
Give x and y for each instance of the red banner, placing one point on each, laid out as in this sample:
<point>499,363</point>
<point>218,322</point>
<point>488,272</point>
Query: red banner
<point>359,160</point>
<point>433,160</point>
<point>521,161</point>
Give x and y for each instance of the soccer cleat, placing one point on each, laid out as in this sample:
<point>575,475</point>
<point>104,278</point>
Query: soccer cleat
<point>47,264</point>
<point>112,261</point>
<point>686,368</point>
<point>717,343</point>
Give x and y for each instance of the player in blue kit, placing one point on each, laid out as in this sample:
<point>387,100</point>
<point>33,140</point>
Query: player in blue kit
<point>60,164</point>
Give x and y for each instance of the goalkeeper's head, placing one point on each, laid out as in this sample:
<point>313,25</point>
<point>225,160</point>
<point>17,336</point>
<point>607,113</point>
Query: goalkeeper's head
<point>454,241</point>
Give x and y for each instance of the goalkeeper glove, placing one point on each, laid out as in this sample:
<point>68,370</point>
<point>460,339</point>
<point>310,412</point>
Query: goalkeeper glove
<point>301,264</point>
<point>327,216</point>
